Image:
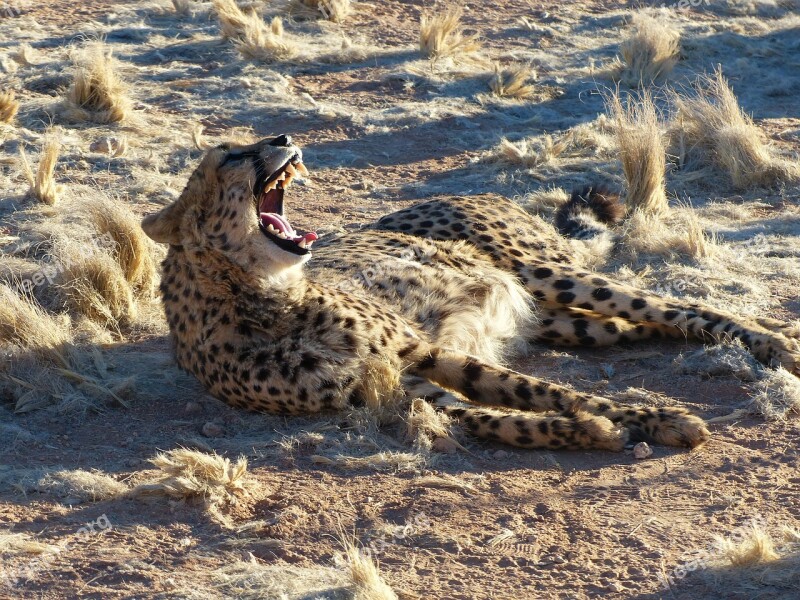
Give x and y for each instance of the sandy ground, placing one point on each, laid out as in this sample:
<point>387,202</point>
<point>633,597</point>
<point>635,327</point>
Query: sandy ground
<point>382,130</point>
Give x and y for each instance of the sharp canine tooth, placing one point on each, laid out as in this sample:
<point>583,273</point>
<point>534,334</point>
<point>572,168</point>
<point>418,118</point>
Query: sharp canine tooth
<point>288,181</point>
<point>291,170</point>
<point>301,168</point>
<point>303,244</point>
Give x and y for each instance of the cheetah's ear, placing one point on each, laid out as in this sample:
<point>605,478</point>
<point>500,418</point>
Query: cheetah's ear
<point>164,226</point>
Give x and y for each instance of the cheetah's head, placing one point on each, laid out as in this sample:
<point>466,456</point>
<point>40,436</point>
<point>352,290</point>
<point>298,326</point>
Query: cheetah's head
<point>233,205</point>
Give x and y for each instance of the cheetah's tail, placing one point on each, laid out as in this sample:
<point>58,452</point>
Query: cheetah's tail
<point>589,212</point>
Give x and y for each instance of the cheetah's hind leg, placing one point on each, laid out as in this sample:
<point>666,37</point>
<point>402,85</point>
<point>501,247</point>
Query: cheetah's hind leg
<point>553,431</point>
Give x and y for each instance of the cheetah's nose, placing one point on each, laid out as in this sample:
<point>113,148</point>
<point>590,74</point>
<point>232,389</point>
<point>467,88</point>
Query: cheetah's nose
<point>281,140</point>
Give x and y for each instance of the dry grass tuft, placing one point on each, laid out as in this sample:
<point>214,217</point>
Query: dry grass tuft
<point>251,35</point>
<point>441,36</point>
<point>9,106</point>
<point>711,124</point>
<point>232,20</point>
<point>756,546</point>
<point>25,55</point>
<point>367,582</point>
<point>531,152</point>
<point>380,388</point>
<point>515,82</point>
<point>192,474</point>
<point>43,185</point>
<point>254,580</point>
<point>22,543</point>
<point>649,54</point>
<point>97,93</point>
<point>332,10</point>
<point>426,425</point>
<point>729,358</point>
<point>80,485</point>
<point>132,248</point>
<point>26,326</point>
<point>182,7</point>
<point>382,461</point>
<point>642,149</point>
<point>678,235</point>
<point>93,284</point>
<point>777,396</point>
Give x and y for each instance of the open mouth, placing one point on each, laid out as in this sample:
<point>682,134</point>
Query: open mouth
<point>273,223</point>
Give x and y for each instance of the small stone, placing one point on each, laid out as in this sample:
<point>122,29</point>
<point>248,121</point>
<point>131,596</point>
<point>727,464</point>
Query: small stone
<point>501,454</point>
<point>212,430</point>
<point>642,450</point>
<point>192,408</point>
<point>110,145</point>
<point>444,445</point>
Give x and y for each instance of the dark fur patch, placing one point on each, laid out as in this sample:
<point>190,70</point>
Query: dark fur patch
<point>600,205</point>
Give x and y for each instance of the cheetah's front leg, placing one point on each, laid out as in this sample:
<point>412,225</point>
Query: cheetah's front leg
<point>486,384</point>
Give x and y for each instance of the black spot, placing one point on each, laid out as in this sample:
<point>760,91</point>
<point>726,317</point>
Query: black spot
<point>638,303</point>
<point>565,297</point>
<point>427,363</point>
<point>671,315</point>
<point>473,371</point>
<point>611,327</point>
<point>523,391</point>
<point>602,293</point>
<point>564,284</point>
<point>542,273</point>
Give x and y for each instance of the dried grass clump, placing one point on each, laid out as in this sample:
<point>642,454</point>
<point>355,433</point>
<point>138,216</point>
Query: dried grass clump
<point>191,474</point>
<point>777,396</point>
<point>182,7</point>
<point>382,461</point>
<point>367,583</point>
<point>132,248</point>
<point>254,580</point>
<point>93,284</point>
<point>429,429</point>
<point>97,93</point>
<point>531,152</point>
<point>9,105</point>
<point>679,235</point>
<point>25,55</point>
<point>22,543</point>
<point>515,82</point>
<point>649,54</point>
<point>43,185</point>
<point>232,20</point>
<point>755,546</point>
<point>80,485</point>
<point>332,10</point>
<point>642,149</point>
<point>711,124</point>
<point>535,152</point>
<point>440,35</point>
<point>729,358</point>
<point>26,326</point>
<point>251,35</point>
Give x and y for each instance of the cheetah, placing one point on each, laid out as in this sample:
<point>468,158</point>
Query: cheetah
<point>441,294</point>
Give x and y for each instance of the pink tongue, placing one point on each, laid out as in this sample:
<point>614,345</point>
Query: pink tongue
<point>281,224</point>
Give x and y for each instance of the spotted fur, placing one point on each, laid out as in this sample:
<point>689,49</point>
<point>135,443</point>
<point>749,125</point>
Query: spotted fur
<point>437,295</point>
